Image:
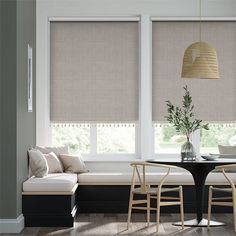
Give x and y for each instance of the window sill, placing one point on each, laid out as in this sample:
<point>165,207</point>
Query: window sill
<point>110,158</point>
<point>125,157</point>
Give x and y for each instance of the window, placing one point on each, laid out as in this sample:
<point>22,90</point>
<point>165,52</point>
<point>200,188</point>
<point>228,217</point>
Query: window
<point>94,78</point>
<point>111,138</point>
<point>117,139</point>
<point>224,134</point>
<point>169,41</point>
<point>103,88</point>
<point>77,138</point>
<point>167,140</point>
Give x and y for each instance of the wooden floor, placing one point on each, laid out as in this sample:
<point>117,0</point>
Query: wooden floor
<point>115,224</point>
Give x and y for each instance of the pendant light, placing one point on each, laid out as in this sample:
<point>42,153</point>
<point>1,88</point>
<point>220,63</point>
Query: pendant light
<point>200,59</point>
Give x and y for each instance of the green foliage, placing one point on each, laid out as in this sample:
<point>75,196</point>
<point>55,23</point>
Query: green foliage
<point>109,139</point>
<point>183,118</point>
<point>76,138</point>
<point>168,133</point>
<point>218,134</point>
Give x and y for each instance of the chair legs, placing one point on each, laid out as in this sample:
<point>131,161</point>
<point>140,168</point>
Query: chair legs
<point>148,208</point>
<point>158,210</point>
<point>234,210</point>
<point>130,208</point>
<point>209,206</point>
<point>221,204</point>
<point>181,206</point>
<point>158,207</point>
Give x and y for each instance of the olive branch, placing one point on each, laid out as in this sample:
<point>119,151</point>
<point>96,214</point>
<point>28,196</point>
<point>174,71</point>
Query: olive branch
<point>183,118</point>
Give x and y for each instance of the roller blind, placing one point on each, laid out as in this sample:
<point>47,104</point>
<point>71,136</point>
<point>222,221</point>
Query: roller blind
<point>94,71</point>
<point>214,100</point>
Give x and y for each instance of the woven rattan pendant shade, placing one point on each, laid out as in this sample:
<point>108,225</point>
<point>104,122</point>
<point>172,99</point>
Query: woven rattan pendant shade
<point>200,61</point>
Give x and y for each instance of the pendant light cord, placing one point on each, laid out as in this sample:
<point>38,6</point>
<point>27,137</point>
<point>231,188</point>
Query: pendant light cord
<point>200,23</point>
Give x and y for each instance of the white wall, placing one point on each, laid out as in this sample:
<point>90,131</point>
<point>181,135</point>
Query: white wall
<point>129,7</point>
<point>163,9</point>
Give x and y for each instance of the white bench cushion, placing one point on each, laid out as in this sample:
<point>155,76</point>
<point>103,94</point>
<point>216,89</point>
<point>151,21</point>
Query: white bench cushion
<point>125,178</point>
<point>62,182</point>
<point>174,178</point>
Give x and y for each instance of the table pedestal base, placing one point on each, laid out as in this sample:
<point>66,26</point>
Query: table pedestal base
<point>202,223</point>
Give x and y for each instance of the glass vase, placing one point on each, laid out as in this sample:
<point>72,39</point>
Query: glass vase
<point>188,151</point>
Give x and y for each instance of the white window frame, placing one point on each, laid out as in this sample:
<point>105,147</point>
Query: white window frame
<point>144,129</point>
<point>44,130</point>
<point>196,139</point>
<point>95,156</point>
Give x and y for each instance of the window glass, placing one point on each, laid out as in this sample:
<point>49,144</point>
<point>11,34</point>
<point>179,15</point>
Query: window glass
<point>116,138</point>
<point>224,134</point>
<point>76,137</point>
<point>167,140</point>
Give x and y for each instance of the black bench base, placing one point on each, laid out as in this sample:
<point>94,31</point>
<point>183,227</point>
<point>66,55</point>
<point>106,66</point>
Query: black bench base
<point>115,199</point>
<point>49,210</point>
<point>60,210</point>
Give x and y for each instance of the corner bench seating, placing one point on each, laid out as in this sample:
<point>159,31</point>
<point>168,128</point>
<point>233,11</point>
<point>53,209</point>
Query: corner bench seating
<point>54,200</point>
<point>174,178</point>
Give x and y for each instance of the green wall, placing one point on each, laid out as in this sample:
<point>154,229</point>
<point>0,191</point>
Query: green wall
<point>26,126</point>
<point>17,29</point>
<point>8,109</point>
<point>0,102</point>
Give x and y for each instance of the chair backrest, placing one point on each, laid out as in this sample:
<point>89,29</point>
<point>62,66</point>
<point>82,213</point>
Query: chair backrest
<point>223,168</point>
<point>139,174</point>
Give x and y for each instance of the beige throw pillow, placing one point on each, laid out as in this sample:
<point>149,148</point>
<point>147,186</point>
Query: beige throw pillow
<point>73,164</point>
<point>38,163</point>
<point>54,164</point>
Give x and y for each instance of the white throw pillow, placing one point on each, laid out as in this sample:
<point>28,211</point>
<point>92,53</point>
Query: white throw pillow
<point>38,163</point>
<point>54,164</point>
<point>56,150</point>
<point>73,164</point>
<point>228,152</point>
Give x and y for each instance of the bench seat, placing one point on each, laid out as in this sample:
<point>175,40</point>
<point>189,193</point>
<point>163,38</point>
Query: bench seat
<point>174,178</point>
<point>53,200</point>
<point>60,182</point>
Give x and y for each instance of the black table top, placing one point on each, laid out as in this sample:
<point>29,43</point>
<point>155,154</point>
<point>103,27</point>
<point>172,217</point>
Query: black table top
<point>192,166</point>
<point>219,161</point>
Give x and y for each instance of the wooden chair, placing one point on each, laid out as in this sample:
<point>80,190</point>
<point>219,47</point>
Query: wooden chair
<point>140,186</point>
<point>223,201</point>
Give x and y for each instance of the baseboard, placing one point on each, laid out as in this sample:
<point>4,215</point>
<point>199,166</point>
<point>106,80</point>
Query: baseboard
<point>12,225</point>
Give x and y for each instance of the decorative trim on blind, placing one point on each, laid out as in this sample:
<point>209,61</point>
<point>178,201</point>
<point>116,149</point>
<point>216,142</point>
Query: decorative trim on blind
<point>84,125</point>
<point>214,100</point>
<point>165,125</point>
<point>94,72</point>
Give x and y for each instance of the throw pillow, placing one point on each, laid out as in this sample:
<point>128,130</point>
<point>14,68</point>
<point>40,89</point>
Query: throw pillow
<point>54,164</point>
<point>38,163</point>
<point>228,152</point>
<point>56,150</point>
<point>73,164</point>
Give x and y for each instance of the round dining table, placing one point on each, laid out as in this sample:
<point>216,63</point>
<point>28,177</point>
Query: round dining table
<point>199,169</point>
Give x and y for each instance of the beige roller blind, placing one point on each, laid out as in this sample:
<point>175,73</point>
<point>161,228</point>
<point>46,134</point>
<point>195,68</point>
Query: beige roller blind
<point>94,71</point>
<point>214,100</point>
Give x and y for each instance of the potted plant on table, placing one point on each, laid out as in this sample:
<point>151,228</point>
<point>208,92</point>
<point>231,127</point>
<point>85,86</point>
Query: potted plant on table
<point>184,122</point>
